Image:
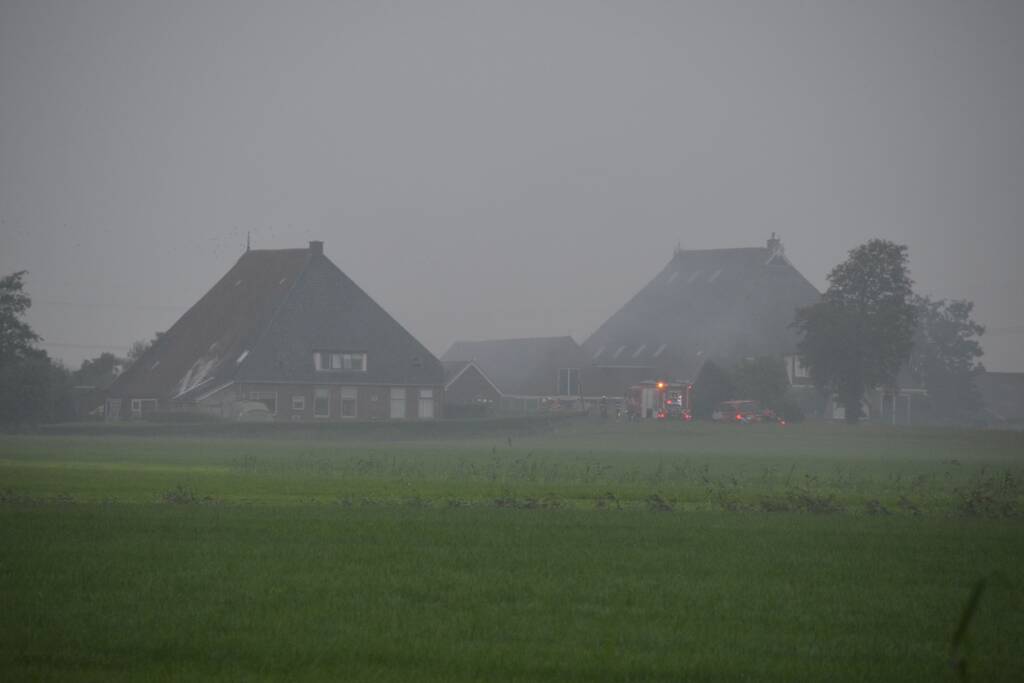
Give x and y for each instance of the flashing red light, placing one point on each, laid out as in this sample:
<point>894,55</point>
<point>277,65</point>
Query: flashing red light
<point>738,416</point>
<point>782,422</point>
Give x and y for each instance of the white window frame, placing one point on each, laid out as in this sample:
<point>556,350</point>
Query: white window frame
<point>340,361</point>
<point>262,395</point>
<point>137,404</point>
<point>426,405</point>
<point>298,403</point>
<point>319,393</point>
<point>397,398</point>
<point>349,394</point>
<point>570,374</point>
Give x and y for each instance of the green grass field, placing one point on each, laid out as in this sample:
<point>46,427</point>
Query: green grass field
<point>594,552</point>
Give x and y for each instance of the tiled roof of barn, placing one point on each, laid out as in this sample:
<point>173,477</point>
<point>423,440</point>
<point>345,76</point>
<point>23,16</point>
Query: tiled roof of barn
<point>261,322</point>
<point>202,347</point>
<point>706,303</point>
<point>521,367</point>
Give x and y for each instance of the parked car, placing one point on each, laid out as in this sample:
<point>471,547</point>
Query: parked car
<point>743,412</point>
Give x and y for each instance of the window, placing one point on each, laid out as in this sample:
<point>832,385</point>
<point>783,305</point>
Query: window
<point>799,369</point>
<point>348,401</point>
<point>397,404</point>
<point>568,382</point>
<point>322,403</point>
<point>337,361</point>
<point>267,398</point>
<point>426,404</point>
<point>298,404</point>
<point>143,406</point>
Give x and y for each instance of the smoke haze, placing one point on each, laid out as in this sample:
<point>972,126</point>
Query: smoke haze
<point>489,170</point>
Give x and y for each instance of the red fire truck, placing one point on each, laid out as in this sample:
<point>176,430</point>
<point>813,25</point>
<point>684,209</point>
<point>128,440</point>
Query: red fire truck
<point>660,400</point>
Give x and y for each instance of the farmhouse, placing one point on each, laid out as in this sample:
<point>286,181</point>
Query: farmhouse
<point>286,335</point>
<point>721,304</point>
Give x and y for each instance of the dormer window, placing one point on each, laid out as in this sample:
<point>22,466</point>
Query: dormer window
<point>339,361</point>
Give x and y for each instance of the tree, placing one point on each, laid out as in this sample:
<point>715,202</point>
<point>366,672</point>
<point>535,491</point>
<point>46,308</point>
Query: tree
<point>861,332</point>
<point>32,387</point>
<point>763,379</point>
<point>140,347</point>
<point>945,357</point>
<point>16,337</point>
<point>712,386</point>
<point>99,372</point>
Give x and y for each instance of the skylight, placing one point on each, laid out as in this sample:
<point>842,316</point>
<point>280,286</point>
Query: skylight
<point>599,352</point>
<point>672,277</point>
<point>660,349</point>
<point>694,276</point>
<point>619,351</point>
<point>639,350</point>
<point>714,276</point>
<point>242,357</point>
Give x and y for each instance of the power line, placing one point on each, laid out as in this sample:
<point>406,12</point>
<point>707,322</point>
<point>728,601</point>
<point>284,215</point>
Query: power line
<point>69,345</point>
<point>104,304</point>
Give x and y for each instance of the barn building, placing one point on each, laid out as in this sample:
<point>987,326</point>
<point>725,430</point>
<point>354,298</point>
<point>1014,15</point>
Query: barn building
<point>529,373</point>
<point>468,391</point>
<point>286,334</point>
<point>720,304</point>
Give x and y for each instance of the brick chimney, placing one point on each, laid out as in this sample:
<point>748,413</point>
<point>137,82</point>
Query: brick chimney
<point>317,247</point>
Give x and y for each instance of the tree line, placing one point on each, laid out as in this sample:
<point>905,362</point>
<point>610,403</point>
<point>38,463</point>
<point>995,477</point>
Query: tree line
<point>35,388</point>
<point>869,331</point>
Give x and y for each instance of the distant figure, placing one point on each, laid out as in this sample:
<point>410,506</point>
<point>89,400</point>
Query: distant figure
<point>510,442</point>
<point>604,407</point>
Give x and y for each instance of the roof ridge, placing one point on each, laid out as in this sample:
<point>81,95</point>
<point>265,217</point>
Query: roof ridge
<point>509,339</point>
<point>691,251</point>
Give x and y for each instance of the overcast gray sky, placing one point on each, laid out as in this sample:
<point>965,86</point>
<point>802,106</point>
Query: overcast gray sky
<point>492,169</point>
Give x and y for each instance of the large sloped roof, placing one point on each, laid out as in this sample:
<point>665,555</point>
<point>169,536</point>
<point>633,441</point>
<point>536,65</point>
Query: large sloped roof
<point>328,311</point>
<point>520,367</point>
<point>263,320</point>
<point>715,303</point>
<point>203,346</point>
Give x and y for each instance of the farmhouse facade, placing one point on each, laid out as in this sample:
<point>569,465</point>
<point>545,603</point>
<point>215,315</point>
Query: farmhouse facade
<point>287,335</point>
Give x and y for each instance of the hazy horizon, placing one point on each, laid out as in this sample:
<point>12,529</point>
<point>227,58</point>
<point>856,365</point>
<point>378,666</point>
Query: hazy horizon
<point>491,170</point>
